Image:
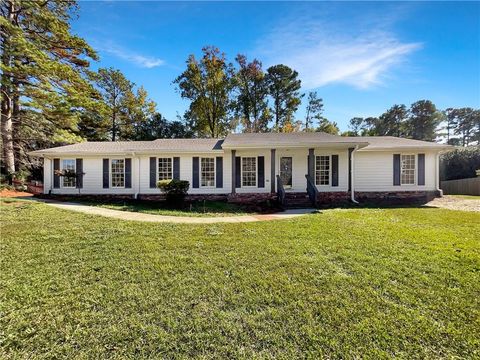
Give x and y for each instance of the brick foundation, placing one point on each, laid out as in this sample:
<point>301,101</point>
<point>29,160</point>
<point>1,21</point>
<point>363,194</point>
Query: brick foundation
<point>254,198</point>
<point>270,200</point>
<point>396,197</point>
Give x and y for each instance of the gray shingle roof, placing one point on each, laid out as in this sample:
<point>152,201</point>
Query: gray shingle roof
<point>239,141</point>
<point>392,142</point>
<point>120,147</point>
<point>295,139</point>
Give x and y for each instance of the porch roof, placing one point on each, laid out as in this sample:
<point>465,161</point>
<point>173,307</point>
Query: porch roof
<point>290,140</point>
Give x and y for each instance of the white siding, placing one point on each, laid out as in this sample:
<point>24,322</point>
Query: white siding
<point>186,173</point>
<point>374,171</point>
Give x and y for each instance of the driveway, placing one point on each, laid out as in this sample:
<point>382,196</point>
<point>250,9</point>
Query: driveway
<point>457,202</point>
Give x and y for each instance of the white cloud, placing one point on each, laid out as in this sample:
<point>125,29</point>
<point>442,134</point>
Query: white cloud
<point>134,58</point>
<point>324,53</point>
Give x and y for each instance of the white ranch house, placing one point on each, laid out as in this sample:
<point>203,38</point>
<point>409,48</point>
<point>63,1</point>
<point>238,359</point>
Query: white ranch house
<point>284,166</point>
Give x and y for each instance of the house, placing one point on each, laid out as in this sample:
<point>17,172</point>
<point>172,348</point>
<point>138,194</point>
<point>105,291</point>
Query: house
<point>256,166</point>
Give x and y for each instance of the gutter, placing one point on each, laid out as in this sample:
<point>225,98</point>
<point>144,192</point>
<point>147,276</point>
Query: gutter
<point>352,190</point>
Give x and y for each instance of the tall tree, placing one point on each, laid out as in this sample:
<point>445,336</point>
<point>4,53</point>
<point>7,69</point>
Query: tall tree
<point>314,109</point>
<point>284,86</point>
<point>356,125</point>
<point>44,77</point>
<point>467,125</point>
<point>423,121</point>
<point>137,109</point>
<point>392,122</point>
<point>115,88</point>
<point>208,84</point>
<point>329,127</point>
<point>251,102</point>
<point>451,121</point>
<point>158,127</point>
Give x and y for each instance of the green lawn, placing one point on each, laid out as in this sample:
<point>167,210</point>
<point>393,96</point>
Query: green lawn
<point>358,283</point>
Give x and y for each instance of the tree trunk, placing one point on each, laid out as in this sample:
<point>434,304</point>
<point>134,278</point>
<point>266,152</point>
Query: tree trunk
<point>7,130</point>
<point>6,127</point>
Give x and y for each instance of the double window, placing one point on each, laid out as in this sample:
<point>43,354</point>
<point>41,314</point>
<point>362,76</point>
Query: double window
<point>207,172</point>
<point>165,168</point>
<point>322,170</point>
<point>249,171</point>
<point>68,166</point>
<point>407,169</point>
<point>118,173</point>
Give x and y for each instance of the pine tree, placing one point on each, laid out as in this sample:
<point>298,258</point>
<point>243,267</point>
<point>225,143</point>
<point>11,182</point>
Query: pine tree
<point>45,83</point>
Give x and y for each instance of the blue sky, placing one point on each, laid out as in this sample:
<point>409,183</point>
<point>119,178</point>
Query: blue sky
<point>361,57</point>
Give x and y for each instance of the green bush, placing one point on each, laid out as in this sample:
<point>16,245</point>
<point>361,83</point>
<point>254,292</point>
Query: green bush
<point>460,163</point>
<point>175,191</point>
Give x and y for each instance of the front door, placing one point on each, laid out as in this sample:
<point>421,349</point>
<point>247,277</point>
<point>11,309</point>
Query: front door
<point>286,171</point>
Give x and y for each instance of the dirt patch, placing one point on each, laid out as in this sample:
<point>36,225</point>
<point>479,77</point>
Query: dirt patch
<point>6,193</point>
<point>456,203</point>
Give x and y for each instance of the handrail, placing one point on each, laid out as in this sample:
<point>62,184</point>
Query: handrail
<point>280,191</point>
<point>312,190</point>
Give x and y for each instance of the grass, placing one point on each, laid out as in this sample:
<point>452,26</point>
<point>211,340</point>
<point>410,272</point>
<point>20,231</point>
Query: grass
<point>195,209</point>
<point>350,283</point>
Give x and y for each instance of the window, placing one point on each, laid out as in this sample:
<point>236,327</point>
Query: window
<point>68,165</point>
<point>165,168</point>
<point>207,172</point>
<point>249,171</point>
<point>408,170</point>
<point>322,170</point>
<point>118,173</point>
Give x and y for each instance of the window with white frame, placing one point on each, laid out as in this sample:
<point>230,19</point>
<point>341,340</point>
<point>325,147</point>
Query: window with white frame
<point>68,165</point>
<point>118,173</point>
<point>249,171</point>
<point>207,172</point>
<point>165,168</point>
<point>322,170</point>
<point>408,169</point>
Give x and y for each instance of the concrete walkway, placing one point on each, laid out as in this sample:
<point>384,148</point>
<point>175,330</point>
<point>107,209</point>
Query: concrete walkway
<point>137,216</point>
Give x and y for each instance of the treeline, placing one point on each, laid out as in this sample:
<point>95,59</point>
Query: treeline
<point>422,121</point>
<point>226,96</point>
<point>50,95</point>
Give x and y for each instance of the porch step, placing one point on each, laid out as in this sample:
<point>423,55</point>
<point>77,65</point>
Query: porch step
<point>297,200</point>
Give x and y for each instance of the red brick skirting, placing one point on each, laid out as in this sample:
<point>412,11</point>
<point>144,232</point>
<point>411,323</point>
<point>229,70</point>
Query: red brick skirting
<point>397,197</point>
<point>269,199</point>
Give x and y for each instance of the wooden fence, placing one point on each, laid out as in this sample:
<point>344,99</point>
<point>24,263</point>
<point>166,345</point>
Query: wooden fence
<point>461,187</point>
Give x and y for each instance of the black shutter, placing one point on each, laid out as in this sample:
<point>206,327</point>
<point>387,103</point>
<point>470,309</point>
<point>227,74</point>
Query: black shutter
<point>219,172</point>
<point>56,178</point>
<point>261,171</point>
<point>421,169</point>
<point>238,172</point>
<point>334,170</point>
<point>79,169</point>
<point>396,169</point>
<point>128,173</point>
<point>153,172</point>
<point>195,172</point>
<point>106,176</point>
<point>176,168</point>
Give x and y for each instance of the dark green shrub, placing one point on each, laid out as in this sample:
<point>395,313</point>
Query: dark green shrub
<point>175,191</point>
<point>460,163</point>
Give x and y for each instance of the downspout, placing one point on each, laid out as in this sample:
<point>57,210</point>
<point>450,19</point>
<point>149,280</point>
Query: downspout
<point>437,175</point>
<point>352,190</point>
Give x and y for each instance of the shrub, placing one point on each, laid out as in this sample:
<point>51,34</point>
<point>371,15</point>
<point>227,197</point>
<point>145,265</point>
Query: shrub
<point>460,163</point>
<point>175,191</point>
